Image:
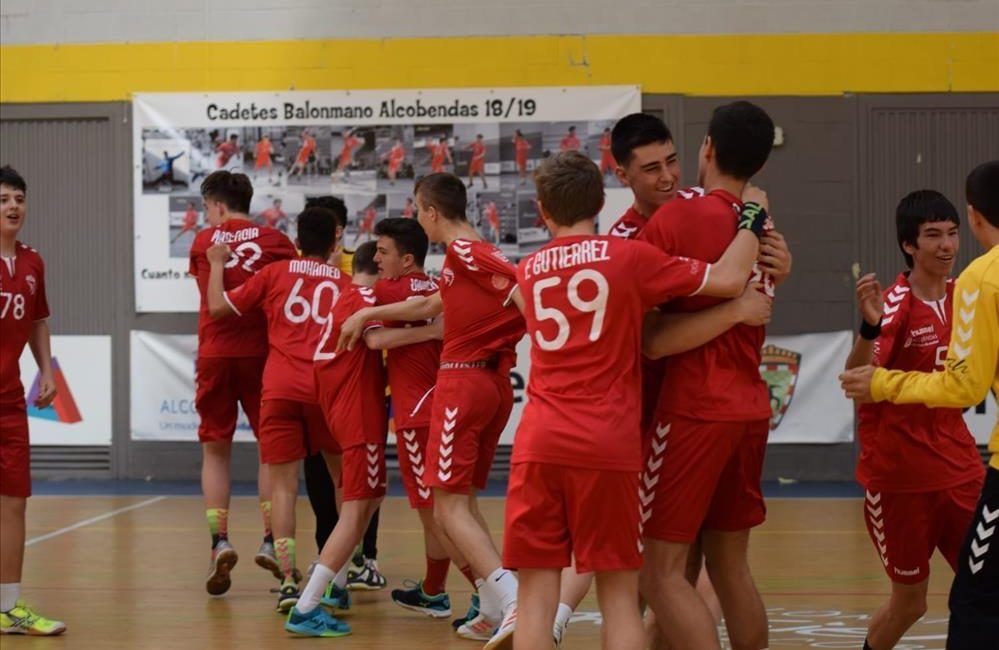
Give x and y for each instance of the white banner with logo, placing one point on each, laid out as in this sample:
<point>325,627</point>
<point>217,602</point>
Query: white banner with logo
<point>81,412</point>
<point>982,418</point>
<point>800,370</point>
<point>366,147</point>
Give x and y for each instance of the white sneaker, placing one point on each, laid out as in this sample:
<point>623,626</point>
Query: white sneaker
<point>503,638</point>
<point>479,628</point>
<point>558,632</point>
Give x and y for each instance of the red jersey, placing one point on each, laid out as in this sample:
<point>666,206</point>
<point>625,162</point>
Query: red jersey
<point>263,154</point>
<point>909,447</point>
<point>719,380</point>
<point>569,143</point>
<point>477,281</point>
<point>478,150</point>
<point>412,369</point>
<point>629,225</point>
<point>521,146</point>
<point>347,153</point>
<point>605,143</point>
<point>586,297</point>
<point>308,147</point>
<point>253,247</point>
<point>22,304</point>
<point>396,155</point>
<point>226,151</point>
<point>492,214</point>
<point>296,296</point>
<point>190,219</point>
<point>273,215</point>
<point>357,376</point>
<point>369,220</point>
<point>407,211</point>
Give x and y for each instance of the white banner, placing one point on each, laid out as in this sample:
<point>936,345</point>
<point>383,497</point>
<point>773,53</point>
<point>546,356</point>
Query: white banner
<point>801,371</point>
<point>81,412</point>
<point>981,419</point>
<point>366,147</point>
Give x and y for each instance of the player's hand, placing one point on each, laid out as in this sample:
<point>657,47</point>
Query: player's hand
<point>869,299</point>
<point>351,331</point>
<point>754,307</point>
<point>775,256</point>
<point>754,194</point>
<point>856,383</point>
<point>218,254</point>
<point>46,391</point>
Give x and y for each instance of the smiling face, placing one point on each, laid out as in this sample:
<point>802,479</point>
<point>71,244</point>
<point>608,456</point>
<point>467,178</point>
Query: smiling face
<point>936,248</point>
<point>13,211</point>
<point>653,174</point>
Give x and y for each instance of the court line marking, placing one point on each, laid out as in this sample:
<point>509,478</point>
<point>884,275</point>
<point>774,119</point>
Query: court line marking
<point>93,520</point>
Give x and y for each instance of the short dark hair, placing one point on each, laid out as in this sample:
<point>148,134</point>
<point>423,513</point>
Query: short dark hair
<point>235,191</point>
<point>446,192</point>
<point>316,231</point>
<point>364,259</point>
<point>332,203</point>
<point>917,208</point>
<point>570,187</point>
<point>743,135</point>
<point>982,190</point>
<point>10,178</point>
<point>408,236</point>
<point>637,130</point>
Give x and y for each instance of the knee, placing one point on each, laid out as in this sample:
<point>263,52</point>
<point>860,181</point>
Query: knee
<point>909,608</point>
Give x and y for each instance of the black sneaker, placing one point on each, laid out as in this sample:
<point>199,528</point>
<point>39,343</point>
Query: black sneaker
<point>415,599</point>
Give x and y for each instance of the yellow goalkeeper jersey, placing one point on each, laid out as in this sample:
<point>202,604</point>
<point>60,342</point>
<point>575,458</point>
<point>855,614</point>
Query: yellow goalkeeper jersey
<point>972,359</point>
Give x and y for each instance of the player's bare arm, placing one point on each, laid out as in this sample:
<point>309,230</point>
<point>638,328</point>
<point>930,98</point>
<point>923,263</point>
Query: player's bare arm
<point>775,256</point>
<point>388,338</point>
<point>41,348</point>
<point>870,303</point>
<point>217,305</point>
<point>414,309</point>
<point>665,333</point>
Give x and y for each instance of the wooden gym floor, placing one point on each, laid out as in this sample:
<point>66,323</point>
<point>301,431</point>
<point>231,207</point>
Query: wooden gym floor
<point>127,572</point>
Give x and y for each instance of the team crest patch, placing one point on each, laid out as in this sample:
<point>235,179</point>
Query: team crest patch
<point>500,282</point>
<point>779,368</point>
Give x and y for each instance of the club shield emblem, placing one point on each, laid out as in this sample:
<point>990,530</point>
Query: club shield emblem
<point>779,368</point>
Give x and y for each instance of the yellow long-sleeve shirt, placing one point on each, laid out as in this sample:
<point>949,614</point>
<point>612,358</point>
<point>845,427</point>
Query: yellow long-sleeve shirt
<point>972,359</point>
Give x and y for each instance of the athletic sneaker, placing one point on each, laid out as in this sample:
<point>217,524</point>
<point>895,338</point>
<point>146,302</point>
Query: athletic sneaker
<point>288,596</point>
<point>479,628</point>
<point>22,620</point>
<point>336,597</point>
<point>503,638</point>
<point>368,578</point>
<point>266,558</point>
<point>473,611</point>
<point>315,623</point>
<point>224,558</point>
<point>417,600</point>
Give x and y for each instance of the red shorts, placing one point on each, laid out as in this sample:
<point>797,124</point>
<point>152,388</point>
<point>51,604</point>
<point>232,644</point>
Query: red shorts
<point>411,445</point>
<point>701,474</point>
<point>476,167</point>
<point>522,161</point>
<point>221,383</point>
<point>363,475</point>
<point>471,408</point>
<point>262,162</point>
<point>555,512</point>
<point>907,526</point>
<point>292,430</point>
<point>15,451</point>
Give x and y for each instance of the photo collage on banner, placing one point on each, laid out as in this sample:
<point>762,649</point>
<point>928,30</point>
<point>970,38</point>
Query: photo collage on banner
<point>367,148</point>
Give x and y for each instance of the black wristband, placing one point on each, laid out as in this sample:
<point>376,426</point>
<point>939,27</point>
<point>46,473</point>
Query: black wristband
<point>753,217</point>
<point>869,332</point>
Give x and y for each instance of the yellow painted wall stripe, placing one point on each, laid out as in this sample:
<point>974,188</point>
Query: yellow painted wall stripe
<point>773,64</point>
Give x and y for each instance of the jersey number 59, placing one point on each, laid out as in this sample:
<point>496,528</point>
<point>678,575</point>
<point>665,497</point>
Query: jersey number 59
<point>596,306</point>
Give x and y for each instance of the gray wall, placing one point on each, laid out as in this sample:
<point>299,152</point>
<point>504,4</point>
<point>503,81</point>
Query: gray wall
<point>95,21</point>
<point>845,163</point>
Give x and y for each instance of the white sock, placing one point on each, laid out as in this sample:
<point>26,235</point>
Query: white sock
<point>489,601</point>
<point>562,616</point>
<point>313,591</point>
<point>503,584</point>
<point>9,593</point>
<point>340,580</point>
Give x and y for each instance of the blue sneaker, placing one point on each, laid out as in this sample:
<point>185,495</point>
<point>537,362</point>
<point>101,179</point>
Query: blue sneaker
<point>315,623</point>
<point>336,597</point>
<point>473,611</point>
<point>417,600</point>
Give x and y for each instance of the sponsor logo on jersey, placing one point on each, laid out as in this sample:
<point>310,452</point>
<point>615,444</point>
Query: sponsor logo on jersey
<point>448,276</point>
<point>779,368</point>
<point>64,407</point>
<point>32,284</point>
